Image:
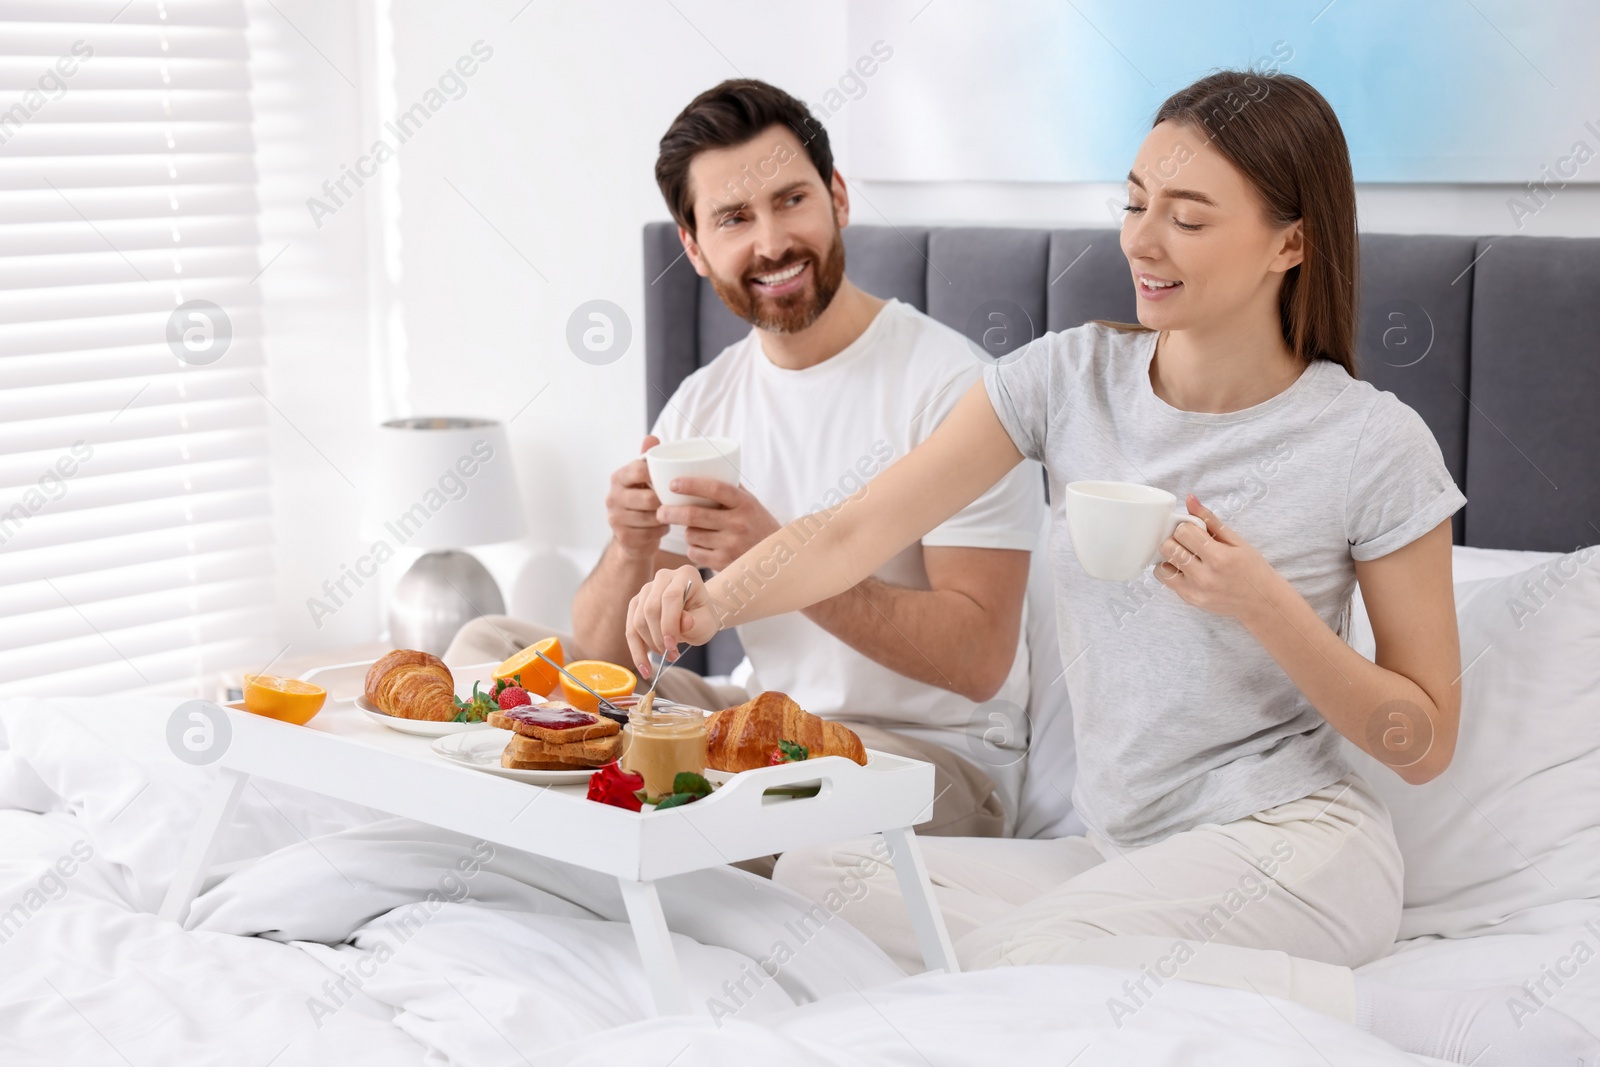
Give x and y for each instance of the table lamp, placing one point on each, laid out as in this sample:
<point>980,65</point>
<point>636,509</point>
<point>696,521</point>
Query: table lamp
<point>443,484</point>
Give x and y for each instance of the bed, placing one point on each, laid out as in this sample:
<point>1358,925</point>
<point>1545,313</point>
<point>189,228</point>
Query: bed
<point>339,934</point>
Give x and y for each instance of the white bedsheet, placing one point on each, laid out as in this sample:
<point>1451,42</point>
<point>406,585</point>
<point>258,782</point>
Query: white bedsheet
<point>520,960</point>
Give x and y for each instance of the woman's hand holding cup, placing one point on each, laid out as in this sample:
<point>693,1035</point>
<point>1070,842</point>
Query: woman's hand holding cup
<point>1118,529</point>
<point>1212,568</point>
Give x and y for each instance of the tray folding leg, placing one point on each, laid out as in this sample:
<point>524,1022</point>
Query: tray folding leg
<point>655,947</point>
<point>917,889</point>
<point>196,861</point>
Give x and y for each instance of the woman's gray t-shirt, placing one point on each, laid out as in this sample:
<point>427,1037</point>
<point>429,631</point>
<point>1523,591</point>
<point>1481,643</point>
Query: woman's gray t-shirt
<point>1181,717</point>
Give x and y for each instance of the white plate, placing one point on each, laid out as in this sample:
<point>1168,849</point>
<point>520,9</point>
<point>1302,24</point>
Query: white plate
<point>420,727</point>
<point>481,752</point>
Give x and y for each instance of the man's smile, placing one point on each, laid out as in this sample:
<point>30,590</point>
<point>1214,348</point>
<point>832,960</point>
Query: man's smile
<point>781,282</point>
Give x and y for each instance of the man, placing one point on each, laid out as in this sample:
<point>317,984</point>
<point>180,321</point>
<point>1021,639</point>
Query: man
<point>830,387</point>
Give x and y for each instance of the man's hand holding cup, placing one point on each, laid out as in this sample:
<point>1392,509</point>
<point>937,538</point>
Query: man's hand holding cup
<point>718,535</point>
<point>697,482</point>
<point>631,506</point>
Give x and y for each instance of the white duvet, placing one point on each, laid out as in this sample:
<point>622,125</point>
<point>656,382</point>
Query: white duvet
<point>346,936</point>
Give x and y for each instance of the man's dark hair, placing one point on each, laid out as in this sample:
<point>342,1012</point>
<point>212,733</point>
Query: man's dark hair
<point>726,115</point>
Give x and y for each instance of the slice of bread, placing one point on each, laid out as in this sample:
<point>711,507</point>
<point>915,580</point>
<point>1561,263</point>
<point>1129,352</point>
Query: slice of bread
<point>521,765</point>
<point>593,752</point>
<point>557,723</point>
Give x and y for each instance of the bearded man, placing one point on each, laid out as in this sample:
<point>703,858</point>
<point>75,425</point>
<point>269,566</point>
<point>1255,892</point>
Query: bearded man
<point>831,385</point>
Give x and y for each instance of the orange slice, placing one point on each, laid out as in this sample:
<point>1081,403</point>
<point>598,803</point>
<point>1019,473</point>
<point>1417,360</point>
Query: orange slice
<point>288,699</point>
<point>537,675</point>
<point>607,679</point>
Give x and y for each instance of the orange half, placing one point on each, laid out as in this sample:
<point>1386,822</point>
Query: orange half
<point>607,679</point>
<point>537,675</point>
<point>288,699</point>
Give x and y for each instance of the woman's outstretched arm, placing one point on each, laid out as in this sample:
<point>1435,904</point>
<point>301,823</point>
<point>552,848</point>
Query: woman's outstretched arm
<point>821,555</point>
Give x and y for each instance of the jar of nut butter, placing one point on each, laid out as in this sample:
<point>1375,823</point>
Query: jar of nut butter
<point>661,742</point>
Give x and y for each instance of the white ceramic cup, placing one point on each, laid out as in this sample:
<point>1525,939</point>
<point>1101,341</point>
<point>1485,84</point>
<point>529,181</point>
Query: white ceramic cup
<point>1117,527</point>
<point>693,457</point>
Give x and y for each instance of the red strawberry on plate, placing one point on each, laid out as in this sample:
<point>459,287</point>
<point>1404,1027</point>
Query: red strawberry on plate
<point>513,696</point>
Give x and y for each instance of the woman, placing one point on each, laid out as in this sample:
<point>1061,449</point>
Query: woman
<point>1229,841</point>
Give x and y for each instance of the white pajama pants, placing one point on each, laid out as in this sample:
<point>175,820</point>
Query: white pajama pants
<point>1284,901</point>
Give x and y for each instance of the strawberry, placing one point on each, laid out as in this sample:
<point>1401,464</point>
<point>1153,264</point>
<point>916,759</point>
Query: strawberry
<point>789,752</point>
<point>513,696</point>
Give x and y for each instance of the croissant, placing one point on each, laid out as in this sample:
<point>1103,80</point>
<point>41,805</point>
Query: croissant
<point>743,738</point>
<point>412,685</point>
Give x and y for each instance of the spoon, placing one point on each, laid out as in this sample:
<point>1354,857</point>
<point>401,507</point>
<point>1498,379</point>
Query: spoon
<point>666,665</point>
<point>606,708</point>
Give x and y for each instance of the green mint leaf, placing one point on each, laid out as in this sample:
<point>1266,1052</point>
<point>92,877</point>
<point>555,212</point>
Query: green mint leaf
<point>691,783</point>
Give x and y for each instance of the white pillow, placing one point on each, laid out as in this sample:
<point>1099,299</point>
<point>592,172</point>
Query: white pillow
<point>1514,823</point>
<point>1470,564</point>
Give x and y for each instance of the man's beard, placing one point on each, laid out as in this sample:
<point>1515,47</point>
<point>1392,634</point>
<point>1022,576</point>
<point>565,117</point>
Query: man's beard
<point>795,311</point>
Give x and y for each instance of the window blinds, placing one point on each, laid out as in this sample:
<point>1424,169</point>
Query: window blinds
<point>134,496</point>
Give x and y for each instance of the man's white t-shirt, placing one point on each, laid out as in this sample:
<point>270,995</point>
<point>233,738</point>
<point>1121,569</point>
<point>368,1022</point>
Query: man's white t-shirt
<point>808,439</point>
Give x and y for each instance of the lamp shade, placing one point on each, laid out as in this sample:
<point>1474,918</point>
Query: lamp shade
<point>444,483</point>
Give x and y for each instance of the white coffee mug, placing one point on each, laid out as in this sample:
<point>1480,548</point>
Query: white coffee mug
<point>1117,528</point>
<point>716,458</point>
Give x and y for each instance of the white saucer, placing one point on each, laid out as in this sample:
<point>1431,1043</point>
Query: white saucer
<point>420,727</point>
<point>481,751</point>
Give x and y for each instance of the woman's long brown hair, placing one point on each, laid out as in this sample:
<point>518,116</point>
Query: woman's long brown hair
<point>1285,139</point>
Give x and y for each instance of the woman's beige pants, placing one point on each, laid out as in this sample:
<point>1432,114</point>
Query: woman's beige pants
<point>1283,902</point>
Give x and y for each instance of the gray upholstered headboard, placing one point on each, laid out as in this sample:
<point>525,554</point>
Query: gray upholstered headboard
<point>1495,341</point>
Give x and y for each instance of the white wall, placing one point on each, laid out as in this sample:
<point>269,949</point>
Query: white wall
<point>306,69</point>
<point>550,155</point>
<point>1453,209</point>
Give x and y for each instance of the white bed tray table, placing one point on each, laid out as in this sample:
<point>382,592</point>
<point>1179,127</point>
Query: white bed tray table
<point>342,754</point>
